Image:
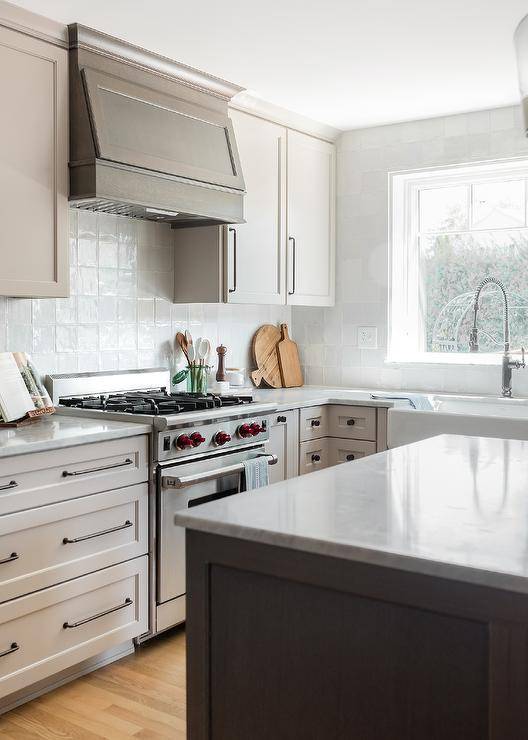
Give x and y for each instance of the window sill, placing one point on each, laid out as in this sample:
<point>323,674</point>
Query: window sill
<point>447,359</point>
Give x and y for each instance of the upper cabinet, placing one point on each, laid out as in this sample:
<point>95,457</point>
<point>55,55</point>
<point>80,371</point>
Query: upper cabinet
<point>311,221</point>
<point>34,156</point>
<point>284,253</point>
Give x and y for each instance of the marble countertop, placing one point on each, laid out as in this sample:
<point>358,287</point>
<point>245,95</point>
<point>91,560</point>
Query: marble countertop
<point>451,506</point>
<point>58,431</point>
<point>312,395</point>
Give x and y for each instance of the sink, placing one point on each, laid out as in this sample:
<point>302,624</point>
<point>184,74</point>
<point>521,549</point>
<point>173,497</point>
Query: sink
<point>483,416</point>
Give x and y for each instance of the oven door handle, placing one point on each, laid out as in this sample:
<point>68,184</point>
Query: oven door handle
<point>171,481</point>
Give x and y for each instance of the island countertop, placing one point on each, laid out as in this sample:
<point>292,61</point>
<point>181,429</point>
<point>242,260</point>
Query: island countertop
<point>450,506</point>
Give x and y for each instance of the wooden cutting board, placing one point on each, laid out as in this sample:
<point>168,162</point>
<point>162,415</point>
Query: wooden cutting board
<point>289,363</point>
<point>265,355</point>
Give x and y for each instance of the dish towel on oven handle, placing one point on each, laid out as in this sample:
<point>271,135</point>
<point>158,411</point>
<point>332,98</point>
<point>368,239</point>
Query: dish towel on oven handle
<point>256,473</point>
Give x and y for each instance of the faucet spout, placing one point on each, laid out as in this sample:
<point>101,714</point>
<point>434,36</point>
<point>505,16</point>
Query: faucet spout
<point>473,336</point>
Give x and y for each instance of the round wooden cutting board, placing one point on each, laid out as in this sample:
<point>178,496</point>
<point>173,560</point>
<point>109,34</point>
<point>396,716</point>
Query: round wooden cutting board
<point>266,357</point>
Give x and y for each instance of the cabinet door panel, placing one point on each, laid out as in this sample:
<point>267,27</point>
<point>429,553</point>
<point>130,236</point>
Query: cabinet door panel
<point>284,442</point>
<point>311,221</point>
<point>34,156</point>
<point>260,242</point>
<point>346,450</point>
<point>313,456</point>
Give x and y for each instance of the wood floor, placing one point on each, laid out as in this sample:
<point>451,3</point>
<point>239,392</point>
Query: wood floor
<point>140,696</point>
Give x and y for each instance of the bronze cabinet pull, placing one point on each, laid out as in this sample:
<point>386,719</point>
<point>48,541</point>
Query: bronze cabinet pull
<point>316,423</point>
<point>12,649</point>
<point>234,232</point>
<point>281,419</point>
<point>316,458</point>
<point>72,625</point>
<point>351,422</point>
<point>14,556</point>
<point>68,541</point>
<point>128,461</point>
<point>11,484</point>
<point>350,457</point>
<point>294,257</point>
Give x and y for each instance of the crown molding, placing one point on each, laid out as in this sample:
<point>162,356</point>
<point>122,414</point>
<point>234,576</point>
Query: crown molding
<point>249,103</point>
<point>33,24</point>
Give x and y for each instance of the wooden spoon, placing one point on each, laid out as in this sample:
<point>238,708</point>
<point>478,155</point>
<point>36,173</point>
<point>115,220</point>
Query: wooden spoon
<point>182,342</point>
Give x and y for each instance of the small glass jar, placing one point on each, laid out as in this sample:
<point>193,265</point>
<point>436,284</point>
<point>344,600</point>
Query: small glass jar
<point>197,378</point>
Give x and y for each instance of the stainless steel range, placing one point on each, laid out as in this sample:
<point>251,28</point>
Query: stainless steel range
<point>199,445</point>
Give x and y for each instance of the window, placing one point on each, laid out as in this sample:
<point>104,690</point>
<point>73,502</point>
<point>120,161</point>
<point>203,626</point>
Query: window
<point>450,229</point>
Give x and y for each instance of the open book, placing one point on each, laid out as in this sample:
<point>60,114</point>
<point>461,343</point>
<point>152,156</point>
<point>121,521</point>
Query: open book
<point>21,391</point>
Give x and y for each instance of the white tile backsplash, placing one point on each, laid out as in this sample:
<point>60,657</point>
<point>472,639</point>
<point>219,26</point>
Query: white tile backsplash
<point>120,314</point>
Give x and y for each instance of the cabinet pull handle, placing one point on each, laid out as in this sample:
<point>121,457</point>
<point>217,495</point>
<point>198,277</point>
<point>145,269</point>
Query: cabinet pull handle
<point>71,625</point>
<point>294,258</point>
<point>234,232</point>
<point>281,419</point>
<point>12,649</point>
<point>351,422</point>
<point>316,458</point>
<point>128,461</point>
<point>11,484</point>
<point>350,457</point>
<point>68,541</point>
<point>316,423</point>
<point>14,556</point>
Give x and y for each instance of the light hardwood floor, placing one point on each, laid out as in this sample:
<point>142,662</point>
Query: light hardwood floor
<point>140,696</point>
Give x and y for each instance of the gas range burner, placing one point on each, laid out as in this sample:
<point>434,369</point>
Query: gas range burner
<point>155,402</point>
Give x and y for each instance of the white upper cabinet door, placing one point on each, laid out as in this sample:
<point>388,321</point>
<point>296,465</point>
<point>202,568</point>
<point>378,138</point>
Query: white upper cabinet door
<point>256,251</point>
<point>311,221</point>
<point>34,166</point>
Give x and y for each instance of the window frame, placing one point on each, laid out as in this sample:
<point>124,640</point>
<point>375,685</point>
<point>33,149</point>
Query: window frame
<point>406,335</point>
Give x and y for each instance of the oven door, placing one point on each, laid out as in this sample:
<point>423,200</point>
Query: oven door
<point>187,484</point>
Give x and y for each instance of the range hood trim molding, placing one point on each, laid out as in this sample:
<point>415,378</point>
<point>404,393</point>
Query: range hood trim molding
<point>83,37</point>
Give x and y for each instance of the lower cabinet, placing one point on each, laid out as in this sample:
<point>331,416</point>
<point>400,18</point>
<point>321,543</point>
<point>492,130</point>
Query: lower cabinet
<point>346,450</point>
<point>313,455</point>
<point>50,630</point>
<point>284,442</point>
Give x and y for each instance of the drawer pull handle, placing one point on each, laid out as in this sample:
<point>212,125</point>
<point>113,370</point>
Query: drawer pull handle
<point>281,420</point>
<point>11,484</point>
<point>351,422</point>
<point>350,457</point>
<point>316,458</point>
<point>71,625</point>
<point>316,423</point>
<point>68,541</point>
<point>128,461</point>
<point>10,559</point>
<point>14,647</point>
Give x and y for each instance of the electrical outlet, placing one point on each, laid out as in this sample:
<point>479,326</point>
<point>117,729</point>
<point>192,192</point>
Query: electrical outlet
<point>367,337</point>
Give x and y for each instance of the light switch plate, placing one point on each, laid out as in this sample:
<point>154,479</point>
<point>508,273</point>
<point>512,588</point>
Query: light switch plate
<point>367,337</point>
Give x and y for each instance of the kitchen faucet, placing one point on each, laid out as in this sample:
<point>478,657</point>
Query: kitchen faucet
<point>507,363</point>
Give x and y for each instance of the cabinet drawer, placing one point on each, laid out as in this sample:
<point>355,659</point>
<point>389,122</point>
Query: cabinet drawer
<point>44,546</point>
<point>313,456</point>
<point>352,422</point>
<point>314,423</point>
<point>346,450</point>
<point>44,478</point>
<point>56,628</point>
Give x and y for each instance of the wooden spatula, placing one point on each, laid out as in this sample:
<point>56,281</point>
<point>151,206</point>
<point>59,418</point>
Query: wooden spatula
<point>289,363</point>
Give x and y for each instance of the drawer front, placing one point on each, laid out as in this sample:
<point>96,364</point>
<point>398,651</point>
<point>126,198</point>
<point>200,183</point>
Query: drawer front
<point>44,546</point>
<point>314,423</point>
<point>56,628</point>
<point>313,455</point>
<point>346,450</point>
<point>44,478</point>
<point>352,422</point>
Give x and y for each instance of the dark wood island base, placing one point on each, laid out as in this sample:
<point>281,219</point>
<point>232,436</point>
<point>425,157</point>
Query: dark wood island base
<point>290,645</point>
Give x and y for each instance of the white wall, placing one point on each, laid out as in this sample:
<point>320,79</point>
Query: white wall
<point>120,314</point>
<point>329,338</point>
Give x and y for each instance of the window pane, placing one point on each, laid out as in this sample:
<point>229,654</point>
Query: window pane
<point>452,265</point>
<point>444,209</point>
<point>498,205</point>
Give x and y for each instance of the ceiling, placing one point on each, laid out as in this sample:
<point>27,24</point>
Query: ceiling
<point>348,63</point>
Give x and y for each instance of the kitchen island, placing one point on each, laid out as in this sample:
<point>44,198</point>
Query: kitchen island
<point>385,599</point>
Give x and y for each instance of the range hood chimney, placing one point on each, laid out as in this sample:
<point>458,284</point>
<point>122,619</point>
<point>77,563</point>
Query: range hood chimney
<point>150,138</point>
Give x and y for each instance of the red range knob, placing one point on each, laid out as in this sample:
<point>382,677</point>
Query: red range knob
<point>244,430</point>
<point>197,439</point>
<point>184,441</point>
<point>255,429</point>
<point>221,438</point>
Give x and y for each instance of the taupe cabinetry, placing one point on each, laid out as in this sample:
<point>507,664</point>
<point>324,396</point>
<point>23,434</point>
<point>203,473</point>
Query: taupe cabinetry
<point>34,156</point>
<point>285,252</point>
<point>73,556</point>
<point>284,442</point>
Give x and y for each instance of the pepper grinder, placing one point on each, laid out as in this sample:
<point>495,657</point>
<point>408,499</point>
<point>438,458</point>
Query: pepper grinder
<point>220,373</point>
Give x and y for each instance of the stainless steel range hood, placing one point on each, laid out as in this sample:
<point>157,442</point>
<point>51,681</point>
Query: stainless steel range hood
<point>149,137</point>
